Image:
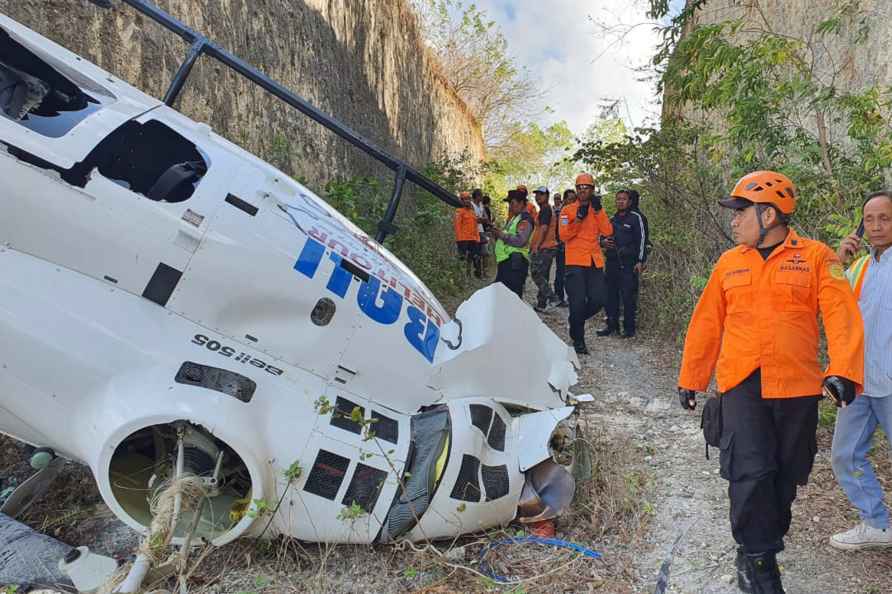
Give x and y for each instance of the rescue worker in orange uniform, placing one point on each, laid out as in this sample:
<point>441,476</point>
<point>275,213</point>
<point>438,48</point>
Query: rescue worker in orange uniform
<point>531,208</point>
<point>467,235</point>
<point>581,227</point>
<point>756,326</point>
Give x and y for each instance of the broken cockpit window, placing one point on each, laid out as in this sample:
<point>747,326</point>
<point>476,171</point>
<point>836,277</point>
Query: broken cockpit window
<point>38,96</point>
<point>151,159</point>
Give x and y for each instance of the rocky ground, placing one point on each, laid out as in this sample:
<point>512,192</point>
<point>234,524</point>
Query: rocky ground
<point>634,381</point>
<point>653,488</point>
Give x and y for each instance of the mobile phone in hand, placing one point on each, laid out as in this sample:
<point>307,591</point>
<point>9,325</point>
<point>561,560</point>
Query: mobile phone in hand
<point>860,231</point>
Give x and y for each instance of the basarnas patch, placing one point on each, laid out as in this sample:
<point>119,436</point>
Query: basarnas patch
<point>836,270</point>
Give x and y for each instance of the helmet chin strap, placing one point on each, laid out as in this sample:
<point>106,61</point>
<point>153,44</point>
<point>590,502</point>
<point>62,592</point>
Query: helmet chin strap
<point>763,230</point>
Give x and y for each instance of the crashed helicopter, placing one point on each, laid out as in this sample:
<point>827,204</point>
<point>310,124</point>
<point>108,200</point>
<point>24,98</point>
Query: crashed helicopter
<point>170,303</point>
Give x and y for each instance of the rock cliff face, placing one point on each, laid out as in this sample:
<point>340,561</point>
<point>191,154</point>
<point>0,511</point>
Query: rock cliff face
<point>848,66</point>
<point>362,61</point>
<point>851,59</point>
<point>858,65</point>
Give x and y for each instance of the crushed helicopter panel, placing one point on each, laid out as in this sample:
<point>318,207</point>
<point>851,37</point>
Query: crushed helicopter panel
<point>170,303</point>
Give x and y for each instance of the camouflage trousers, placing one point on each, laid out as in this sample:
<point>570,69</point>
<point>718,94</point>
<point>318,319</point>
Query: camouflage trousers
<point>540,268</point>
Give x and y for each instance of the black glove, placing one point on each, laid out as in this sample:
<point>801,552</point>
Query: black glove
<point>582,211</point>
<point>596,203</point>
<point>688,398</point>
<point>839,389</point>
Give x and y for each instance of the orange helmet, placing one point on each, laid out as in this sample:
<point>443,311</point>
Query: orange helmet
<point>763,187</point>
<point>585,179</point>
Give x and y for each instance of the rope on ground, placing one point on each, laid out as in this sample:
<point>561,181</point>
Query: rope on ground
<point>182,494</point>
<point>487,569</point>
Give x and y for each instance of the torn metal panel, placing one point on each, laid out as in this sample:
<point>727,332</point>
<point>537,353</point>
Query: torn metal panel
<point>198,287</point>
<point>462,503</point>
<point>506,353</point>
<point>117,101</point>
<point>534,431</point>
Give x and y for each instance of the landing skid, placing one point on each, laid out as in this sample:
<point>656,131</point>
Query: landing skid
<point>32,489</point>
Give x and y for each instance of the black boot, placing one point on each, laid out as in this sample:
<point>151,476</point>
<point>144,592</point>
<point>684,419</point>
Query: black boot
<point>765,574</point>
<point>744,578</point>
<point>580,348</point>
<point>611,328</point>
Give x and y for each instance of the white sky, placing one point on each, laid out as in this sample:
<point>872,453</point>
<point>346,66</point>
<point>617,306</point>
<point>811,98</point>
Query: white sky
<point>573,59</point>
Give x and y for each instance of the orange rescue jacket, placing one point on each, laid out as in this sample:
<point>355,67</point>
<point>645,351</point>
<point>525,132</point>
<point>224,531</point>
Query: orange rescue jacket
<point>582,239</point>
<point>544,237</point>
<point>762,314</point>
<point>466,225</point>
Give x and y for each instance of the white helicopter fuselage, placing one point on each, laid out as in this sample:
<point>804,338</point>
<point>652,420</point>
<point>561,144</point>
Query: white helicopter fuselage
<point>136,292</point>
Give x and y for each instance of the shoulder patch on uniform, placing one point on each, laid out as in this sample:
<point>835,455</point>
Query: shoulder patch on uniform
<point>836,270</point>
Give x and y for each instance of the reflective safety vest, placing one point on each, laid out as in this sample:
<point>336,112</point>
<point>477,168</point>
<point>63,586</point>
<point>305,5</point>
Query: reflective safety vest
<point>503,250</point>
<point>856,274</point>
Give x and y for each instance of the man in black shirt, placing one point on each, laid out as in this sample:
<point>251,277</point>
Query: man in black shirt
<point>626,256</point>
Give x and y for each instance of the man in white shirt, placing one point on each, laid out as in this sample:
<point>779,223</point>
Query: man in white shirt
<point>871,278</point>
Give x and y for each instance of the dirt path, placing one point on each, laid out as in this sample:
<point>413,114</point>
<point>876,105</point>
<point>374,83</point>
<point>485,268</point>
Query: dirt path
<point>635,396</point>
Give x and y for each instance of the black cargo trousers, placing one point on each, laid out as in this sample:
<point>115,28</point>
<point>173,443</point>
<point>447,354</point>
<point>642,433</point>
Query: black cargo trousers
<point>587,293</point>
<point>622,289</point>
<point>767,450</point>
<point>513,273</point>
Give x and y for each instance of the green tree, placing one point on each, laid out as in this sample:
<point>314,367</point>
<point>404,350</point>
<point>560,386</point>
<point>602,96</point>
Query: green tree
<point>742,95</point>
<point>534,156</point>
<point>473,55</point>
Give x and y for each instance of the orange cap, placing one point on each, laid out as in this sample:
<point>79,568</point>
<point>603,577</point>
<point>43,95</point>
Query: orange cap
<point>464,195</point>
<point>764,187</point>
<point>585,179</point>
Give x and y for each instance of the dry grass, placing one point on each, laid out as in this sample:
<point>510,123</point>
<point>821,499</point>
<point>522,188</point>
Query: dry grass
<point>610,514</point>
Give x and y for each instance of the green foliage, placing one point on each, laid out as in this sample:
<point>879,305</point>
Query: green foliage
<point>410,573</point>
<point>261,507</point>
<point>293,472</point>
<point>261,583</point>
<point>323,405</point>
<point>351,513</point>
<point>425,240</point>
<point>742,96</point>
<point>533,156</point>
<point>472,53</point>
<point>826,413</point>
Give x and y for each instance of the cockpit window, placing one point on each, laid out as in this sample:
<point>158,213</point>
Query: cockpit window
<point>151,159</point>
<point>36,95</point>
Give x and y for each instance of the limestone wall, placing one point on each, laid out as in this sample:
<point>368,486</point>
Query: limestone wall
<point>361,60</point>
